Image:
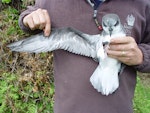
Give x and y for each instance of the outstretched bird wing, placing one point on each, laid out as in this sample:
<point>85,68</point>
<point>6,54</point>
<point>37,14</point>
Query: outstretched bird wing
<point>65,38</point>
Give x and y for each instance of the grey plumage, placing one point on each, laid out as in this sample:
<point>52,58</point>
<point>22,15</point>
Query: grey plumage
<point>68,39</point>
<point>80,43</point>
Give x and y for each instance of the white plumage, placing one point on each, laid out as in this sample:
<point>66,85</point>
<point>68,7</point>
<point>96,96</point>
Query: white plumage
<point>105,77</point>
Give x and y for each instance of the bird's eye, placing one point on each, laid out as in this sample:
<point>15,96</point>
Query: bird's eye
<point>116,23</point>
<point>104,24</point>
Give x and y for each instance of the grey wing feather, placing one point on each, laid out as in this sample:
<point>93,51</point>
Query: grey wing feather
<point>34,44</point>
<point>92,39</point>
<point>65,39</point>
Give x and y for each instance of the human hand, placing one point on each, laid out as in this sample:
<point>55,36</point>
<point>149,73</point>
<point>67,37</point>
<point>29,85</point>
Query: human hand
<point>38,19</point>
<point>125,49</point>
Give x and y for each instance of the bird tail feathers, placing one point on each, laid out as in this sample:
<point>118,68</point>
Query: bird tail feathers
<point>105,80</point>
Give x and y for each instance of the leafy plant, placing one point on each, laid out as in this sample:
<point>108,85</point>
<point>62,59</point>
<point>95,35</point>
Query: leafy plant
<point>6,1</point>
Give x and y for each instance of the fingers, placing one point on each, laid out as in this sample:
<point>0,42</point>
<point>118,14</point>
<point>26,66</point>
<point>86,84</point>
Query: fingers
<point>38,19</point>
<point>123,47</point>
<point>121,55</point>
<point>122,44</point>
<point>125,50</point>
<point>48,24</point>
<point>122,40</point>
<point>28,22</point>
<point>126,57</point>
<point>123,59</point>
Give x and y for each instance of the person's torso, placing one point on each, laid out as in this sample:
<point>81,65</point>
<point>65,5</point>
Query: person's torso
<point>74,93</point>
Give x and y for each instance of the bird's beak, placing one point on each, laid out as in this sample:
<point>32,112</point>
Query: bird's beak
<point>110,31</point>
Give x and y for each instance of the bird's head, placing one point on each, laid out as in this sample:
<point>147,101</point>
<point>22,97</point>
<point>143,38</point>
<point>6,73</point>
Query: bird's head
<point>111,24</point>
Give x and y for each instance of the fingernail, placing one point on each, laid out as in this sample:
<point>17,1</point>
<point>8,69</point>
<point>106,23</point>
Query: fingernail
<point>46,34</point>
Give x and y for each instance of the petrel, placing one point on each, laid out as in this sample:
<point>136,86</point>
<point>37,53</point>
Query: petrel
<point>105,77</point>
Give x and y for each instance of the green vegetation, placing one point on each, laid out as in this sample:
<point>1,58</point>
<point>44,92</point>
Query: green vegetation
<point>23,95</point>
<point>6,1</point>
<point>26,82</point>
<point>142,98</point>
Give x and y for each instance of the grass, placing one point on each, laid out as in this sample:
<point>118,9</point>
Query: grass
<point>142,98</point>
<point>26,82</point>
<point>17,96</point>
